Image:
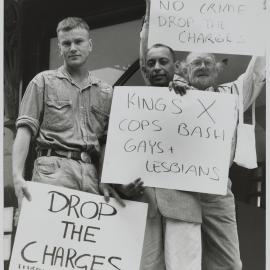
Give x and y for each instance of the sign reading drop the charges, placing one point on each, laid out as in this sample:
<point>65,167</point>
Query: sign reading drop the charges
<point>170,141</point>
<point>64,229</point>
<point>225,26</point>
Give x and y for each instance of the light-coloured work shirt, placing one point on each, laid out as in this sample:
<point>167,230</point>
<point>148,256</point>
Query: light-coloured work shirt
<point>63,116</point>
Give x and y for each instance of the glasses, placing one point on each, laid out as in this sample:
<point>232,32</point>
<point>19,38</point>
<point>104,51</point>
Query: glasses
<point>199,62</point>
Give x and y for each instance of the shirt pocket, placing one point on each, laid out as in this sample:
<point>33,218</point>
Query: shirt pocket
<point>58,115</point>
<point>99,121</point>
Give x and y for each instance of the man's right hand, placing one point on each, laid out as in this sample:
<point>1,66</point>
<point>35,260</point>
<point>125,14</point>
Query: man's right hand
<point>21,189</point>
<point>178,87</point>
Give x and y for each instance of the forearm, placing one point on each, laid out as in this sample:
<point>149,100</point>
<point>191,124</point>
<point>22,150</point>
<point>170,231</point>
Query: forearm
<point>253,80</point>
<point>20,151</point>
<point>144,40</point>
<point>144,33</point>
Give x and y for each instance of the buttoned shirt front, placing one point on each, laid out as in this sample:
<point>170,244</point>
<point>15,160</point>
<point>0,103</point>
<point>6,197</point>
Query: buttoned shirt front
<point>63,116</point>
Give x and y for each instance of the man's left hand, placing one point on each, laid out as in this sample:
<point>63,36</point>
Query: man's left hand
<point>107,190</point>
<point>132,189</point>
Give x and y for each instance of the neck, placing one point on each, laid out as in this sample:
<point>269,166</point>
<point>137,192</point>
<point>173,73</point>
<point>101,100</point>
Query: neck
<point>77,72</point>
<point>78,75</point>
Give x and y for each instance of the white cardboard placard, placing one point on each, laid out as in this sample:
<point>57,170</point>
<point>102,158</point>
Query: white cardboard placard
<point>64,229</point>
<point>170,141</point>
<point>231,26</point>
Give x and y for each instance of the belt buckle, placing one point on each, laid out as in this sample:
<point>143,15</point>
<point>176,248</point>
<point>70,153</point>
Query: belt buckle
<point>85,157</point>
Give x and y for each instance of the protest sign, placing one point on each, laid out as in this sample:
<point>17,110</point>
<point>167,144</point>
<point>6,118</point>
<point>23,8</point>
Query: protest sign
<point>170,141</point>
<point>64,229</point>
<point>231,26</point>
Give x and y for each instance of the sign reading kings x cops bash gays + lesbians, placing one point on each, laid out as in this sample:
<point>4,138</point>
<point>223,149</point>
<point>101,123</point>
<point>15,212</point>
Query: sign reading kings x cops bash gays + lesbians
<point>170,141</point>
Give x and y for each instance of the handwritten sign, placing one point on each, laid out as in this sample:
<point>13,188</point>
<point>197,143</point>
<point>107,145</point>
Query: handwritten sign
<point>64,229</point>
<point>225,26</point>
<point>170,141</point>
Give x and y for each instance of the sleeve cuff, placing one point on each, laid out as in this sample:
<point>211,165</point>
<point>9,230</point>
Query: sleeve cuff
<point>29,122</point>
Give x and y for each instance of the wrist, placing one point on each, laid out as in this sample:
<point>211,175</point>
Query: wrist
<point>120,191</point>
<point>17,177</point>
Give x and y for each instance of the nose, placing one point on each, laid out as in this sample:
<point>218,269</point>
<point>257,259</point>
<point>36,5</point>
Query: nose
<point>157,66</point>
<point>203,65</point>
<point>72,47</point>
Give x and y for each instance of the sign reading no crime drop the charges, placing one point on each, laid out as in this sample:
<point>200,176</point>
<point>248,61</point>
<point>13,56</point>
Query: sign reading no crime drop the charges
<point>170,141</point>
<point>64,229</point>
<point>225,26</point>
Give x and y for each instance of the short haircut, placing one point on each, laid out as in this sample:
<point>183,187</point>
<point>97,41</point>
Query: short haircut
<point>159,45</point>
<point>70,23</point>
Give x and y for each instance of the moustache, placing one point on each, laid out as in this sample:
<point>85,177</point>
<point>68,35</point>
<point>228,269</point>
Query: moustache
<point>156,74</point>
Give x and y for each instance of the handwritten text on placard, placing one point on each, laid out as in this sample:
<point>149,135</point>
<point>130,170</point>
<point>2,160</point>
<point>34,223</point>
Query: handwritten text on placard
<point>68,229</point>
<point>168,140</point>
<point>208,26</point>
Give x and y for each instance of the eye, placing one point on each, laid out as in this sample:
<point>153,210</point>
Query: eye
<point>196,63</point>
<point>65,43</point>
<point>208,63</point>
<point>164,61</point>
<point>150,63</point>
<point>78,41</point>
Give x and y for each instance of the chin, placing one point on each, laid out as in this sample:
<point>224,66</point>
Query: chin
<point>161,84</point>
<point>202,84</point>
<point>75,64</point>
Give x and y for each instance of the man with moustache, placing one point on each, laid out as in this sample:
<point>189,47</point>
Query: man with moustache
<point>173,229</point>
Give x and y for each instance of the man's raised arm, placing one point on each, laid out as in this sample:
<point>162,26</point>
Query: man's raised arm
<point>144,37</point>
<point>253,80</point>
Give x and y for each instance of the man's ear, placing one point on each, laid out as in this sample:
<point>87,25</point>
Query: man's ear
<point>90,44</point>
<point>143,69</point>
<point>60,51</point>
<point>181,68</point>
<point>221,65</point>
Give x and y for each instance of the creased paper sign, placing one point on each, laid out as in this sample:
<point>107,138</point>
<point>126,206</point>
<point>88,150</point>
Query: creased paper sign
<point>170,141</point>
<point>231,26</point>
<point>63,229</point>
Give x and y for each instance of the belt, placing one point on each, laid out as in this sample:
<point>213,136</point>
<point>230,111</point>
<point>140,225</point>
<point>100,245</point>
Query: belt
<point>76,155</point>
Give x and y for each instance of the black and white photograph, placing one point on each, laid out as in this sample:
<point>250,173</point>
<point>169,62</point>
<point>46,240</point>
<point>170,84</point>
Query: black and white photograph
<point>134,135</point>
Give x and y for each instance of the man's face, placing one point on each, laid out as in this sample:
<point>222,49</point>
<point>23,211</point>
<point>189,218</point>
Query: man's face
<point>160,66</point>
<point>75,46</point>
<point>201,70</point>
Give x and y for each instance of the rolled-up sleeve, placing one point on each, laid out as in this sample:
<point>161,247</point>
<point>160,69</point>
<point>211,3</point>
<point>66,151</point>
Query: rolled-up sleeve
<point>31,108</point>
<point>253,80</point>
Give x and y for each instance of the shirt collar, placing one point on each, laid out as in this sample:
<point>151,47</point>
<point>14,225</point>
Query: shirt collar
<point>63,74</point>
<point>209,89</point>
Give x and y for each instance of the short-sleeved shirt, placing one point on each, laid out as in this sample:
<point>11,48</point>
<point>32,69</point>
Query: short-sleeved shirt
<point>61,115</point>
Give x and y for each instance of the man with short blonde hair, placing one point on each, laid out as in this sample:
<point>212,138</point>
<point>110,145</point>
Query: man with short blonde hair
<point>66,111</point>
